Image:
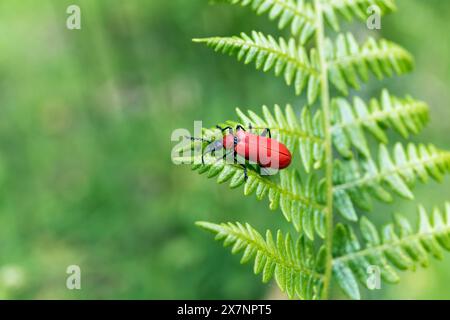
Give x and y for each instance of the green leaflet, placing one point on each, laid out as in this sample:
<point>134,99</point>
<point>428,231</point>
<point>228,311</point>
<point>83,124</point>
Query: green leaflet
<point>298,14</point>
<point>346,280</point>
<point>397,245</point>
<point>297,269</point>
<point>350,121</point>
<point>350,63</point>
<point>285,57</point>
<point>361,179</point>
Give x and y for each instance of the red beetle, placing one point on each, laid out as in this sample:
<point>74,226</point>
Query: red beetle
<point>260,149</point>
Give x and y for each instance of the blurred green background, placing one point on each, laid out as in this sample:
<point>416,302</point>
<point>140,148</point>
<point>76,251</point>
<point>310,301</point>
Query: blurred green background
<point>85,170</point>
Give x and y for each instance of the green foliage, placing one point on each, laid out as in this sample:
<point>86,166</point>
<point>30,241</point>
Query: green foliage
<point>296,13</point>
<point>297,268</point>
<point>349,121</point>
<point>320,181</point>
<point>353,8</point>
<point>348,61</point>
<point>397,244</point>
<point>301,202</point>
<point>299,14</point>
<point>358,180</point>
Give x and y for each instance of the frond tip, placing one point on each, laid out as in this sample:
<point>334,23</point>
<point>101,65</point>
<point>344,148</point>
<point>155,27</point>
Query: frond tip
<point>295,266</point>
<point>398,245</point>
<point>296,13</point>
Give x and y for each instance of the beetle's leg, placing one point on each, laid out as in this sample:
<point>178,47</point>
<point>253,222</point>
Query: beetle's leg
<point>235,142</point>
<point>266,132</point>
<point>197,139</point>
<point>250,127</point>
<point>223,129</point>
<point>211,149</point>
<point>239,127</point>
<point>245,172</point>
<point>202,140</point>
<point>236,161</point>
<point>224,157</point>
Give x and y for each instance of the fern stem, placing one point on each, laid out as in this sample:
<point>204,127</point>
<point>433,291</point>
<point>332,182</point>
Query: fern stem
<point>325,100</point>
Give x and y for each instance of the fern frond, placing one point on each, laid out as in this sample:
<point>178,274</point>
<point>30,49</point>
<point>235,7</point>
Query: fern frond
<point>295,266</point>
<point>353,8</point>
<point>296,13</point>
<point>406,116</point>
<point>398,245</point>
<point>350,63</point>
<point>305,133</point>
<point>301,202</point>
<point>339,125</point>
<point>284,56</point>
<point>355,180</point>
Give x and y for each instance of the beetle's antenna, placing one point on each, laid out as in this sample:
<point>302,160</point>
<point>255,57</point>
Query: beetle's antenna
<point>212,148</point>
<point>197,139</point>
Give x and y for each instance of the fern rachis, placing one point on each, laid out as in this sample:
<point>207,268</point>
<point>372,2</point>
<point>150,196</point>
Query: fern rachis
<point>337,172</point>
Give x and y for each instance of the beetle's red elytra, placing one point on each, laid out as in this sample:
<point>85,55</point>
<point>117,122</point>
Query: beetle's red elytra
<point>266,152</point>
<point>260,149</point>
